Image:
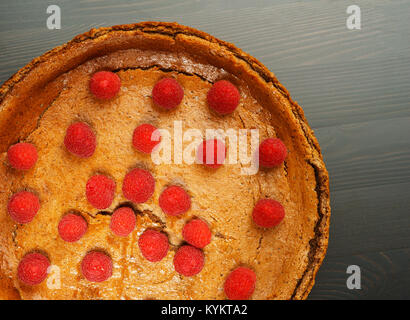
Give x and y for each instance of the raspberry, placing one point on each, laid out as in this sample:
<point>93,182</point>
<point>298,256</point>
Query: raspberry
<point>211,153</point>
<point>105,85</point>
<point>272,152</point>
<point>138,185</point>
<point>188,261</point>
<point>100,191</point>
<point>167,93</point>
<point>141,139</point>
<point>80,140</point>
<point>197,233</point>
<point>23,206</point>
<point>123,221</point>
<point>96,266</point>
<point>153,245</point>
<point>174,201</point>
<point>223,97</point>
<point>22,156</point>
<point>268,213</point>
<point>32,268</point>
<point>72,227</point>
<point>240,284</point>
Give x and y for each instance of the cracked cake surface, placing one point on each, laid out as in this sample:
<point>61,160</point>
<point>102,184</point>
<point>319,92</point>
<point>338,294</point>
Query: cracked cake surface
<point>44,98</point>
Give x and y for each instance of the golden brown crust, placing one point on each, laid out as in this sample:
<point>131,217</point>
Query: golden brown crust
<point>26,95</point>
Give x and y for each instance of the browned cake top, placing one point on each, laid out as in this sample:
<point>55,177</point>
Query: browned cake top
<point>285,258</point>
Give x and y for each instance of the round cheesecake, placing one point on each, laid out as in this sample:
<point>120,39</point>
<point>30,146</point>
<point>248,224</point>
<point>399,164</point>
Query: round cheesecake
<point>43,99</point>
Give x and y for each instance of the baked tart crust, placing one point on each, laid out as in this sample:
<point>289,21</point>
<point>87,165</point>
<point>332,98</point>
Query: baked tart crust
<point>41,99</point>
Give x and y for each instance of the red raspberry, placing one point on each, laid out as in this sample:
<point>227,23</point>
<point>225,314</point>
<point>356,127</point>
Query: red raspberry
<point>22,156</point>
<point>223,97</point>
<point>268,213</point>
<point>153,245</point>
<point>240,284</point>
<point>23,206</point>
<point>138,185</point>
<point>80,140</point>
<point>272,152</point>
<point>167,93</point>
<point>96,266</point>
<point>211,153</point>
<point>105,85</point>
<point>32,268</point>
<point>188,261</point>
<point>100,191</point>
<point>141,139</point>
<point>72,227</point>
<point>123,221</point>
<point>197,233</point>
<point>174,201</point>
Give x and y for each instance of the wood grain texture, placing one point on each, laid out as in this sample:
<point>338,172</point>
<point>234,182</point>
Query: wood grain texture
<point>354,87</point>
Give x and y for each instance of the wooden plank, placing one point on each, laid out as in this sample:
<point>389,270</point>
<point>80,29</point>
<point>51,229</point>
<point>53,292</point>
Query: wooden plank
<point>362,155</point>
<point>384,275</point>
<point>369,219</point>
<point>337,93</point>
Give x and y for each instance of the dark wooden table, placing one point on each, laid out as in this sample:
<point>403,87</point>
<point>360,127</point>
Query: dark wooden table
<point>354,86</point>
